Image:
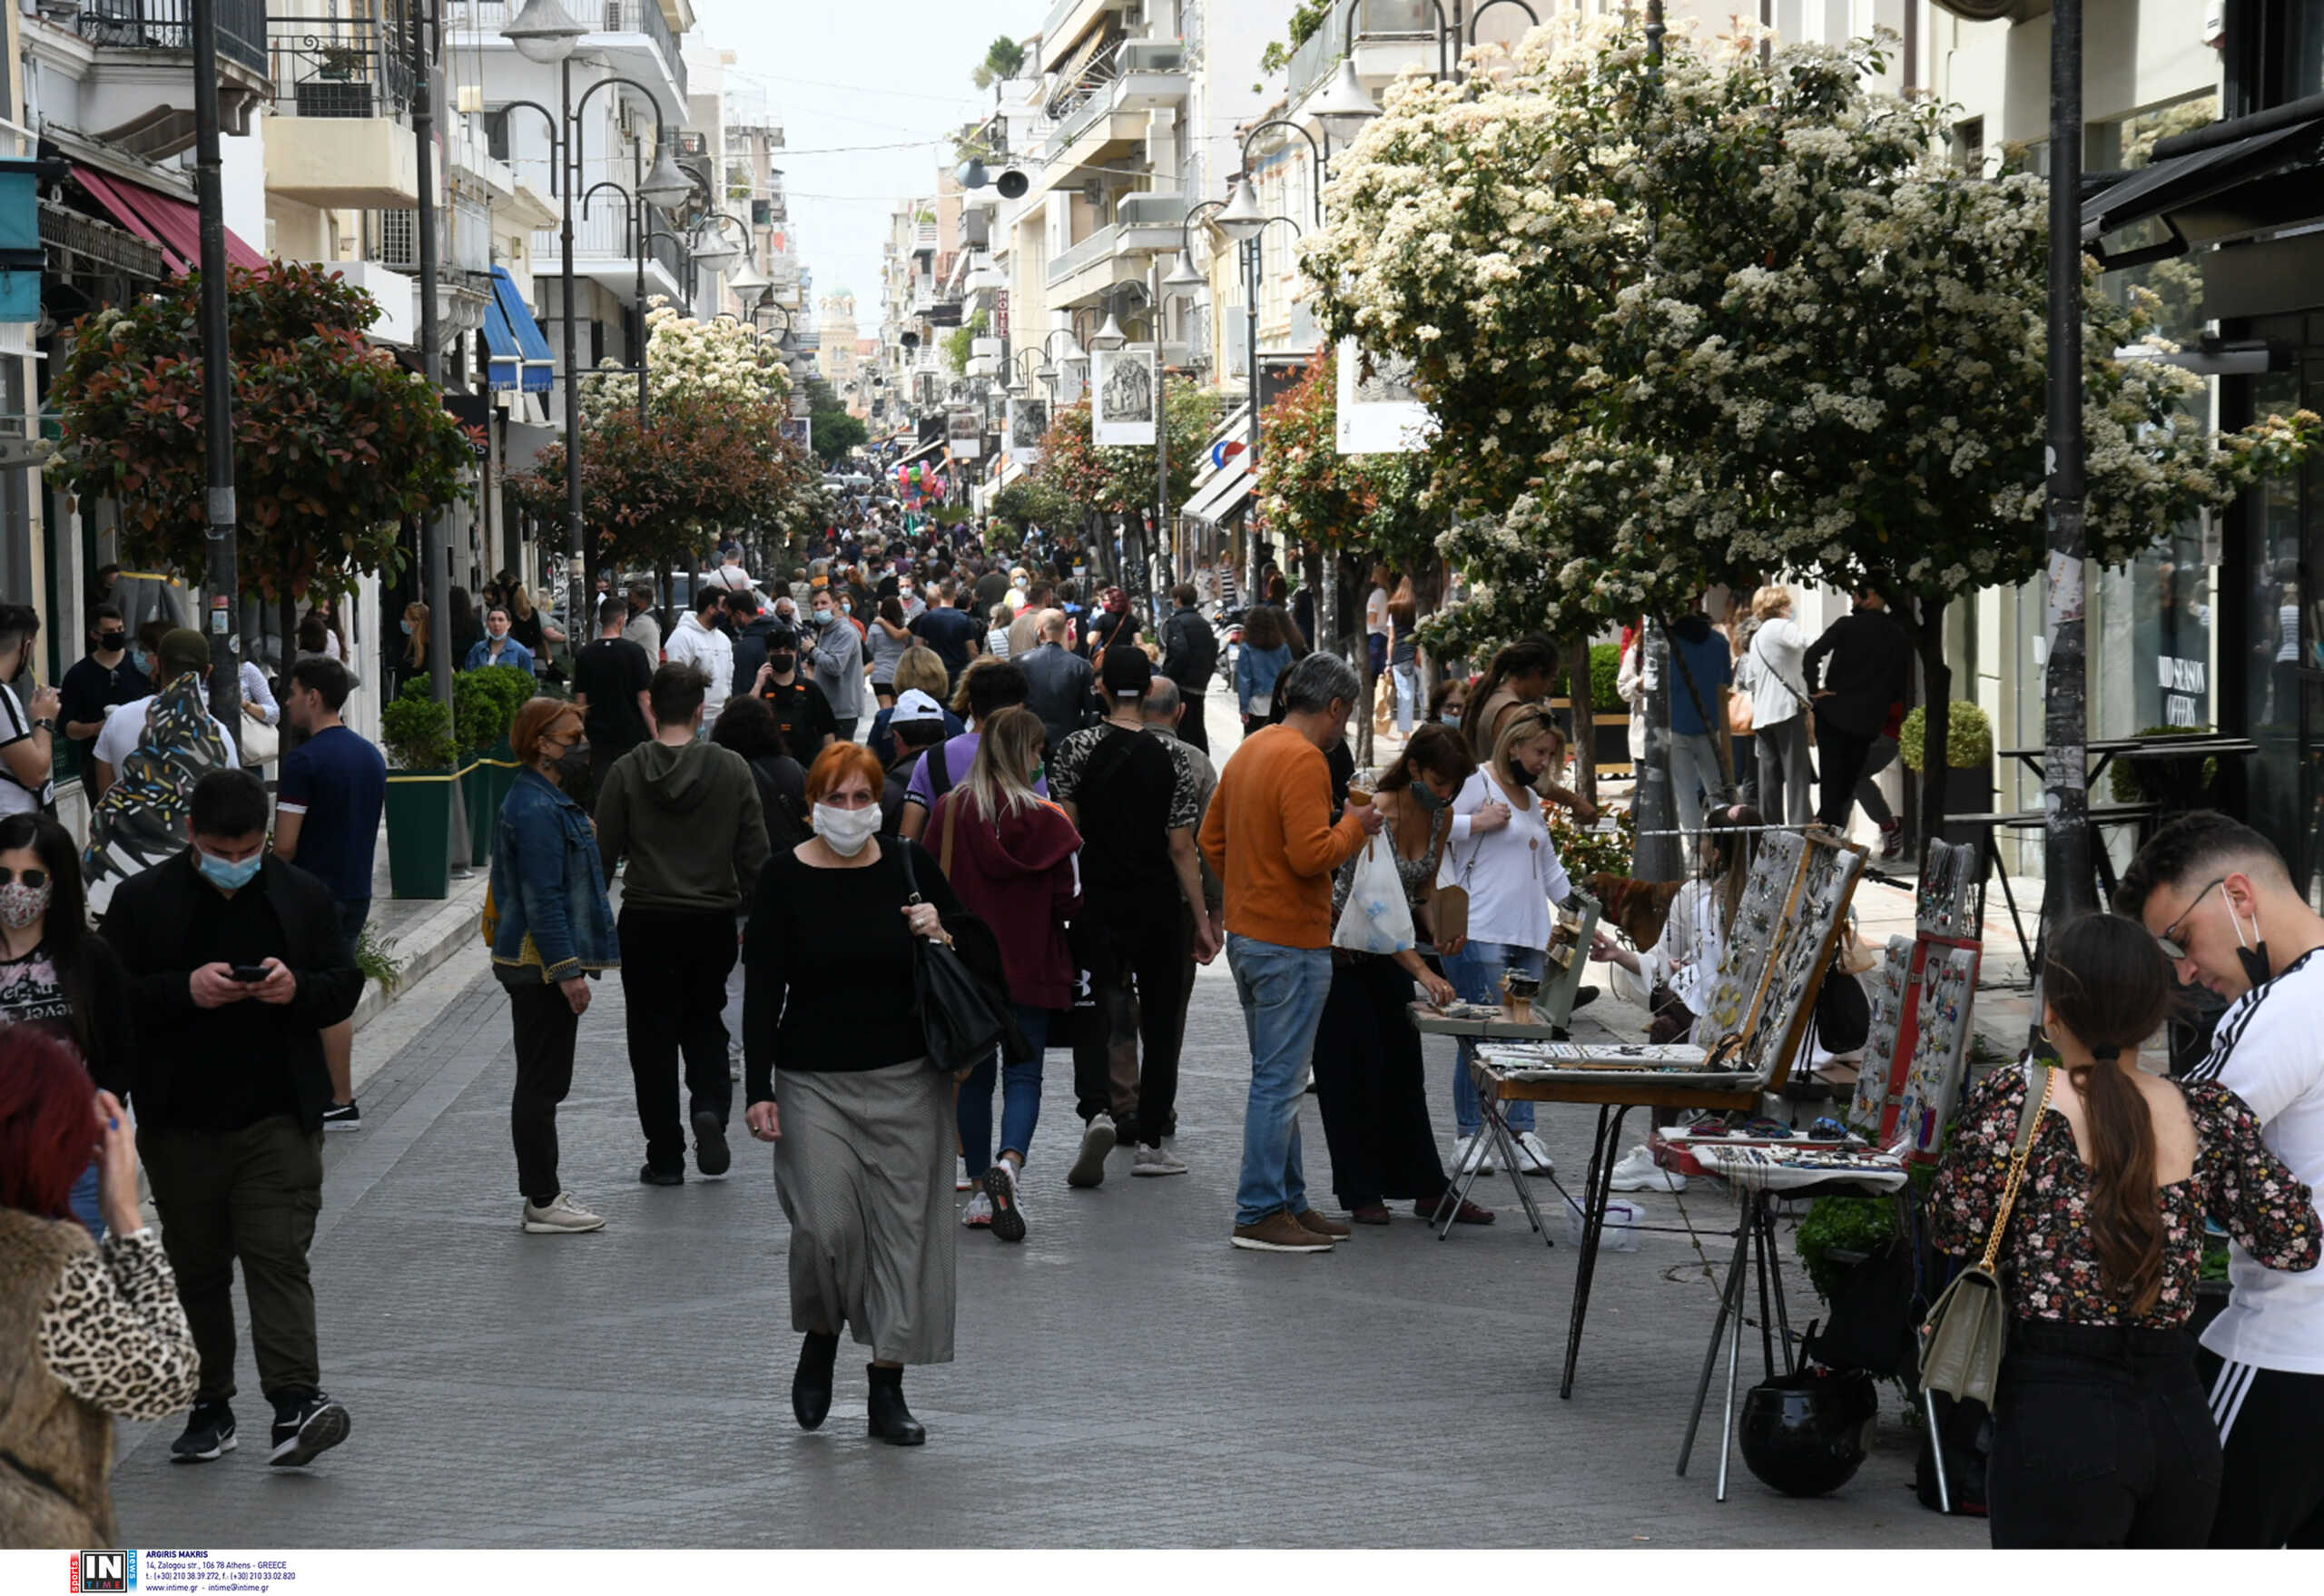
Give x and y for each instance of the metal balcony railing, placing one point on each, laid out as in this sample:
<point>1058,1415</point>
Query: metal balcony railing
<point>345,67</point>
<point>1378,19</point>
<point>610,16</point>
<point>168,24</point>
<point>1097,247</point>
<point>602,233</point>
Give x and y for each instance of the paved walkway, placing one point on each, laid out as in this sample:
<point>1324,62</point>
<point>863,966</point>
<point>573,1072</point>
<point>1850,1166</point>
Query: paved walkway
<point>1124,1377</point>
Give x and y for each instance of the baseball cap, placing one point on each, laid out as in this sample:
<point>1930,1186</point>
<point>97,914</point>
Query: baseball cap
<point>182,649</point>
<point>1128,673</point>
<point>914,706</point>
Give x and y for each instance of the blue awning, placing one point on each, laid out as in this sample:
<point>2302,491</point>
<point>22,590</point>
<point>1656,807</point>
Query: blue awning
<point>520,357</point>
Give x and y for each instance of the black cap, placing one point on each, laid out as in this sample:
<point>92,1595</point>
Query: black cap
<point>782,637</point>
<point>1128,673</point>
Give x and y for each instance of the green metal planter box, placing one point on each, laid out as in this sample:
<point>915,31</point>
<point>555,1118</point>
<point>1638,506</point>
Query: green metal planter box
<point>419,832</point>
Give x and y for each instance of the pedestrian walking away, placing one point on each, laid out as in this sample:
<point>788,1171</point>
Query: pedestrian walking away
<point>686,816</point>
<point>1009,853</point>
<point>1189,658</point>
<point>838,1080</point>
<point>1064,687</point>
<point>2229,916</point>
<point>1270,836</point>
<point>327,821</point>
<point>1858,673</point>
<point>551,932</point>
<point>236,962</point>
<point>2109,1173</point>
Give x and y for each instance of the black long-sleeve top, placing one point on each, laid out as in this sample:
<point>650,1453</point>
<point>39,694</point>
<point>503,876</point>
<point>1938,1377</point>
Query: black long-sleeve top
<point>828,967</point>
<point>1871,669</point>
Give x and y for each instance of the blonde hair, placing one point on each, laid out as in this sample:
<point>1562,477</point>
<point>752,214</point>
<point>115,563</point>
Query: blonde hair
<point>1001,777</point>
<point>1770,601</point>
<point>923,667</point>
<point>1529,726</point>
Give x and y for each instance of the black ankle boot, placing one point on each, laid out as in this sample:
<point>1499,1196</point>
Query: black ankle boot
<point>891,1421</point>
<point>811,1383</point>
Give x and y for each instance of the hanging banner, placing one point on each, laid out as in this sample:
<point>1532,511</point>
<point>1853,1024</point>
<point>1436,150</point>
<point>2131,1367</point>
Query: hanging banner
<point>1124,394</point>
<point>964,434</point>
<point>798,430</point>
<point>1379,412</point>
<point>1028,423</point>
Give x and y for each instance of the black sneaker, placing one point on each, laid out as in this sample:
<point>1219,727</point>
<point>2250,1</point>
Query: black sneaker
<point>209,1434</point>
<point>711,1154</point>
<point>343,1115</point>
<point>1584,997</point>
<point>304,1431</point>
<point>653,1177</point>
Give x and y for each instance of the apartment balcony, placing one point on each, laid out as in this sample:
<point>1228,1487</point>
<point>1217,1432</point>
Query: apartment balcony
<point>603,253</point>
<point>1070,19</point>
<point>1144,226</point>
<point>634,39</point>
<point>1390,35</point>
<point>1107,123</point>
<point>138,91</point>
<point>342,89</point>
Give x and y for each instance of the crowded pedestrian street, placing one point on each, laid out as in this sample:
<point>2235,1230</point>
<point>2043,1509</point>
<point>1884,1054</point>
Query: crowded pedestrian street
<point>1514,779</point>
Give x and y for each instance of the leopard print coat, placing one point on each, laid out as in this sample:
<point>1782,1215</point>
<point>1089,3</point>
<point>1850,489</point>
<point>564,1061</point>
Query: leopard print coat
<point>86,1333</point>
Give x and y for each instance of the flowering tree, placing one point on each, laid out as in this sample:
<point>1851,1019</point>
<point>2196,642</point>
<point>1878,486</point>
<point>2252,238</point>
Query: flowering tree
<point>334,445</point>
<point>1716,318</point>
<point>723,360</point>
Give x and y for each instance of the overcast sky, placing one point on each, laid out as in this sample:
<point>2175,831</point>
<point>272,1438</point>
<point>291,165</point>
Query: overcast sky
<point>840,74</point>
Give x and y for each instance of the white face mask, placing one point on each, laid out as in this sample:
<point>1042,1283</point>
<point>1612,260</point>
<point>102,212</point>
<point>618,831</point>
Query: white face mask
<point>846,831</point>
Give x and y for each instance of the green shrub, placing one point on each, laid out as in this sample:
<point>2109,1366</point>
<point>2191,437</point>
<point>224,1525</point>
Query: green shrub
<point>2122,774</point>
<point>1968,738</point>
<point>1842,1224</point>
<point>514,686</point>
<point>1605,669</point>
<point>416,731</point>
<point>375,956</point>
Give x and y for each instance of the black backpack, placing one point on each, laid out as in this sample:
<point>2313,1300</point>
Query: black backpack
<point>1201,648</point>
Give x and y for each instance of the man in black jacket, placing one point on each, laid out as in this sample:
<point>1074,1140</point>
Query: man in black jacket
<point>1870,664</point>
<point>752,627</point>
<point>1063,684</point>
<point>1189,655</point>
<point>236,963</point>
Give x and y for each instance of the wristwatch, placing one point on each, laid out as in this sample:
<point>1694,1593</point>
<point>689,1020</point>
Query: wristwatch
<point>46,725</point>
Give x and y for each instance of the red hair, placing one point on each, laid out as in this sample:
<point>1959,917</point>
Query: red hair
<point>836,764</point>
<point>49,1132</point>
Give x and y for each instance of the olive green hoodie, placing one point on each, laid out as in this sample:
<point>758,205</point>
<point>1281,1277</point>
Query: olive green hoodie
<point>689,820</point>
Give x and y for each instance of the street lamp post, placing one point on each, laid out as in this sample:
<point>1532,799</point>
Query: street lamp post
<point>2065,831</point>
<point>434,550</point>
<point>546,32</point>
<point>217,384</point>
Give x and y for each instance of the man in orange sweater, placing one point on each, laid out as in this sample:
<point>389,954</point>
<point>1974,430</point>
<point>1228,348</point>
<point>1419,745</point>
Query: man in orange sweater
<point>1269,836</point>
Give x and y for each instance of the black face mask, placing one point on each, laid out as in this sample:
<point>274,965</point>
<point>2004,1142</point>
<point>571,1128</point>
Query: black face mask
<point>2253,957</point>
<point>575,776</point>
<point>782,663</point>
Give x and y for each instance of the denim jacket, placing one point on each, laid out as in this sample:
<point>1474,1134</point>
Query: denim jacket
<point>547,887</point>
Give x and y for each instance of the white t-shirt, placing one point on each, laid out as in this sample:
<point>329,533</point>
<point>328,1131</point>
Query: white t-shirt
<point>2268,1051</point>
<point>1375,613</point>
<point>1511,875</point>
<point>125,726</point>
<point>16,726</point>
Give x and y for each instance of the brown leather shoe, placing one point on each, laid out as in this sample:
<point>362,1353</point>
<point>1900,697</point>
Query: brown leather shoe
<point>1469,1213</point>
<point>1310,1220</point>
<point>1280,1232</point>
<point>1369,1214</point>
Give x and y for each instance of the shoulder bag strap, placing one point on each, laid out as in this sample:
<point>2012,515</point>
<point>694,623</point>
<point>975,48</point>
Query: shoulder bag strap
<point>912,877</point>
<point>951,814</point>
<point>1770,664</point>
<point>2036,1104</point>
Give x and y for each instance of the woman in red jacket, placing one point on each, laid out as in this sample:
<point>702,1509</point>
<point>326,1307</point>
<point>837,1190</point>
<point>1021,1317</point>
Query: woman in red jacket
<point>1009,853</point>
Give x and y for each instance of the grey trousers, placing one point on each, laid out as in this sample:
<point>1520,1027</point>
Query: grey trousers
<point>1696,779</point>
<point>1786,790</point>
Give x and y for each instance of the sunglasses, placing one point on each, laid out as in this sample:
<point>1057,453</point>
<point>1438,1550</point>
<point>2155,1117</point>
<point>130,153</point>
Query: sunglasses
<point>31,877</point>
<point>2168,938</point>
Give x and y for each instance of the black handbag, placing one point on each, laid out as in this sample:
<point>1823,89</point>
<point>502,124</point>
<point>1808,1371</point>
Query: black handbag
<point>963,1011</point>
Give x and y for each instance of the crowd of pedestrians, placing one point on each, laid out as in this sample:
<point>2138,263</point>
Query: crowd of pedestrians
<point>769,817</point>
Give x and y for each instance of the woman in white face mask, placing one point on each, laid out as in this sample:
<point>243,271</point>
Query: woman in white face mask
<point>837,1079</point>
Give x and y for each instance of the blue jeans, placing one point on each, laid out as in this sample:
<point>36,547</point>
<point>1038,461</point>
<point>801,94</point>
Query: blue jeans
<point>1475,973</point>
<point>1020,1097</point>
<point>1282,992</point>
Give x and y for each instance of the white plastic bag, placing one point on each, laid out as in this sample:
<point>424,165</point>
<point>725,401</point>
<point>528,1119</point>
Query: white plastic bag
<point>1376,920</point>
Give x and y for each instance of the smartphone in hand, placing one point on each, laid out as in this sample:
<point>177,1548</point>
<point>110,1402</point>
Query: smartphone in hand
<point>249,974</point>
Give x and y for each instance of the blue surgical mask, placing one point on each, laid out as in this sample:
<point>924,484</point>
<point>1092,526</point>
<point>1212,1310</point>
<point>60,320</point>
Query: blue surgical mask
<point>143,661</point>
<point>1427,797</point>
<point>229,874</point>
<point>407,628</point>
<point>1451,717</point>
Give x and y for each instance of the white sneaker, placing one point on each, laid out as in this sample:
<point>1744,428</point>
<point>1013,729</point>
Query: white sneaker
<point>562,1216</point>
<point>1156,1161</point>
<point>1637,1171</point>
<point>1473,1152</point>
<point>1533,1158</point>
<point>960,1181</point>
<point>978,1215</point>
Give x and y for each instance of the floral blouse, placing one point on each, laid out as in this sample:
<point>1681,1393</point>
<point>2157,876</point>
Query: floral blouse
<point>2049,1261</point>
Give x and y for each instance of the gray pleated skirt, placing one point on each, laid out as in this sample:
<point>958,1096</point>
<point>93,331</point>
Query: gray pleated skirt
<point>865,1173</point>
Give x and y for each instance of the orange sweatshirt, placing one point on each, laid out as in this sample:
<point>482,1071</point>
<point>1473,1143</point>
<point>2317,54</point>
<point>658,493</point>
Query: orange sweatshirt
<point>1269,837</point>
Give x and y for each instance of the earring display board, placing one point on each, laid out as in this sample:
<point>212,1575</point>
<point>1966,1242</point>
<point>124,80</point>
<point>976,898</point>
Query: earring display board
<point>1766,897</point>
<point>1951,900</point>
<point>1948,990</point>
<point>1879,1082</point>
<point>1567,956</point>
<point>1804,947</point>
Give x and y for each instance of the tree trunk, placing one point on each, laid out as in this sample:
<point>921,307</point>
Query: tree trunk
<point>1658,857</point>
<point>1583,697</point>
<point>1927,621</point>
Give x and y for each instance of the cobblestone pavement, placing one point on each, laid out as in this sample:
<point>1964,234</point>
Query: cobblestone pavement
<point>1125,1378</point>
